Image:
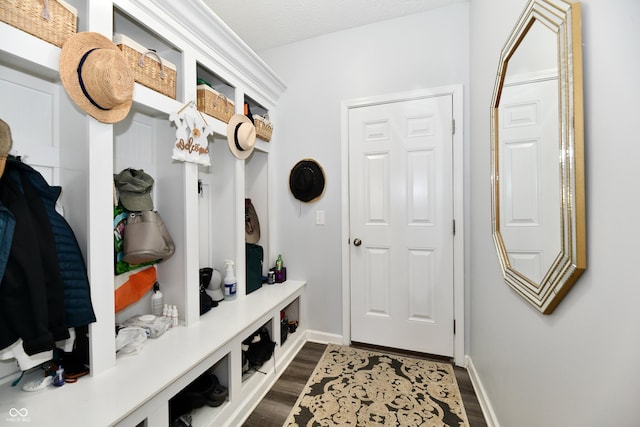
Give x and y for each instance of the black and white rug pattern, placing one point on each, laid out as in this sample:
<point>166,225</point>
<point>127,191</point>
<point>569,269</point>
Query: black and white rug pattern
<point>354,387</point>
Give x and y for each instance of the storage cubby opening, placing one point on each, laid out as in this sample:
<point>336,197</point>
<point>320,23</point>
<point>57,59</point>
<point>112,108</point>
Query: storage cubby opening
<point>211,390</point>
<point>144,142</point>
<point>215,98</point>
<point>257,352</point>
<point>129,26</point>
<point>289,320</point>
<point>140,34</point>
<point>216,82</point>
<point>262,121</point>
<point>216,201</point>
<point>48,135</point>
<point>255,106</point>
<point>257,189</point>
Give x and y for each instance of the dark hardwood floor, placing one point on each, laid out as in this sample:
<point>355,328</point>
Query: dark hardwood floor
<point>272,411</point>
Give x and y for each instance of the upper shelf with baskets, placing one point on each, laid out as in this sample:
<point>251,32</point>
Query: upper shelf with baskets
<point>53,22</point>
<point>215,96</point>
<point>155,62</point>
<point>32,42</point>
<point>261,120</point>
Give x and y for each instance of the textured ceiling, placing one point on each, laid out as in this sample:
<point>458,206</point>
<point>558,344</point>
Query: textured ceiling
<point>264,24</point>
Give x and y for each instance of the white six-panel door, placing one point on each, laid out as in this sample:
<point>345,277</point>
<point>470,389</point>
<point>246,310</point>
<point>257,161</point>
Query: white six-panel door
<point>529,175</point>
<point>401,224</point>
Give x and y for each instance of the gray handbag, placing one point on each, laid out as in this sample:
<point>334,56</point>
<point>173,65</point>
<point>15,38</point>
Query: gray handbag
<point>146,238</point>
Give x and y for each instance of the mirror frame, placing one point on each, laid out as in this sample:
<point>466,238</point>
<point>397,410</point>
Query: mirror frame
<point>564,19</point>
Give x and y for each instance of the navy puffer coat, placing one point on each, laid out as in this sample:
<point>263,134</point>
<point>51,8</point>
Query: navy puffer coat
<point>45,288</point>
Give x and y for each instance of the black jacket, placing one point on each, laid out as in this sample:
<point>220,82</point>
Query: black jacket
<point>45,289</point>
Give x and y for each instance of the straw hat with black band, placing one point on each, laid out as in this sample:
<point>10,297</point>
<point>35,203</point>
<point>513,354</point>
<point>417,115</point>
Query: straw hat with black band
<point>241,136</point>
<point>96,76</point>
<point>306,180</point>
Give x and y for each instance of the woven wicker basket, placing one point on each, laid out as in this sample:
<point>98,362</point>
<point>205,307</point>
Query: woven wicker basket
<point>148,68</point>
<point>264,128</point>
<point>214,103</point>
<point>53,21</point>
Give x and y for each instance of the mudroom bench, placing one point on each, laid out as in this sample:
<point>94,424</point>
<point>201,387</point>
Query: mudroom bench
<point>137,391</point>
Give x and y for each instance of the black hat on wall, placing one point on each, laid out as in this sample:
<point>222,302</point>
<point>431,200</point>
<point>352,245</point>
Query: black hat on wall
<point>306,180</point>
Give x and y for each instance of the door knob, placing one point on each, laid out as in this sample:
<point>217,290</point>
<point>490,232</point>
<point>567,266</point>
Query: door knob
<point>357,242</point>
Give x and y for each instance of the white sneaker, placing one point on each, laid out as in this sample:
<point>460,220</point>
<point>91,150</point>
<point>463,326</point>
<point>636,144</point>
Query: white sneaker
<point>38,383</point>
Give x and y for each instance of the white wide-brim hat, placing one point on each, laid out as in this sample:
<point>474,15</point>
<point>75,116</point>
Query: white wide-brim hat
<point>241,136</point>
<point>96,76</point>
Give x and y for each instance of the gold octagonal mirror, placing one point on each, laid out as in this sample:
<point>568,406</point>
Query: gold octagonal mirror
<point>537,141</point>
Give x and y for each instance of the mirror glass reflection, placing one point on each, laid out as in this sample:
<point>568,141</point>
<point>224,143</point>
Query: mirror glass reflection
<point>529,150</point>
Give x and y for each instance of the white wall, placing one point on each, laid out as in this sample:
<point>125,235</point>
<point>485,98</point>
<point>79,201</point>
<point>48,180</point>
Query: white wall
<point>420,51</point>
<point>575,367</point>
<point>579,365</point>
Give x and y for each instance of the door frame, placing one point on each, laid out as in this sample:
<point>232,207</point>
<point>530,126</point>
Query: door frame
<point>458,206</point>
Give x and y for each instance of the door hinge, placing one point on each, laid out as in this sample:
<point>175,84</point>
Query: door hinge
<point>454,227</point>
<point>454,326</point>
<point>453,126</point>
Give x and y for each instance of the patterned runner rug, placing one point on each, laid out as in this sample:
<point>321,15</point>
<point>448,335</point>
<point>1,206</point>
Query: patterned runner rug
<point>353,387</point>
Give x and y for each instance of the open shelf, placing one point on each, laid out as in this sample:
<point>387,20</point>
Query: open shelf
<point>205,414</point>
<point>289,320</point>
<point>257,344</point>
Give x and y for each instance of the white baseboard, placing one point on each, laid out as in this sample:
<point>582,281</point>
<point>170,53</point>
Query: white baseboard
<point>483,398</point>
<point>324,337</point>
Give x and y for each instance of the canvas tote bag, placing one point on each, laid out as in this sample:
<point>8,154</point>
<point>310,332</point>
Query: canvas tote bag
<point>146,238</point>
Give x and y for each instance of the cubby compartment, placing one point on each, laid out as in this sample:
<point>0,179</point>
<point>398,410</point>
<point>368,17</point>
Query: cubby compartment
<point>47,131</point>
<point>261,118</point>
<point>257,353</point>
<point>257,189</point>
<point>216,204</point>
<point>142,142</point>
<point>255,106</point>
<point>215,96</point>
<point>159,64</point>
<point>215,81</point>
<point>289,320</point>
<point>205,398</point>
